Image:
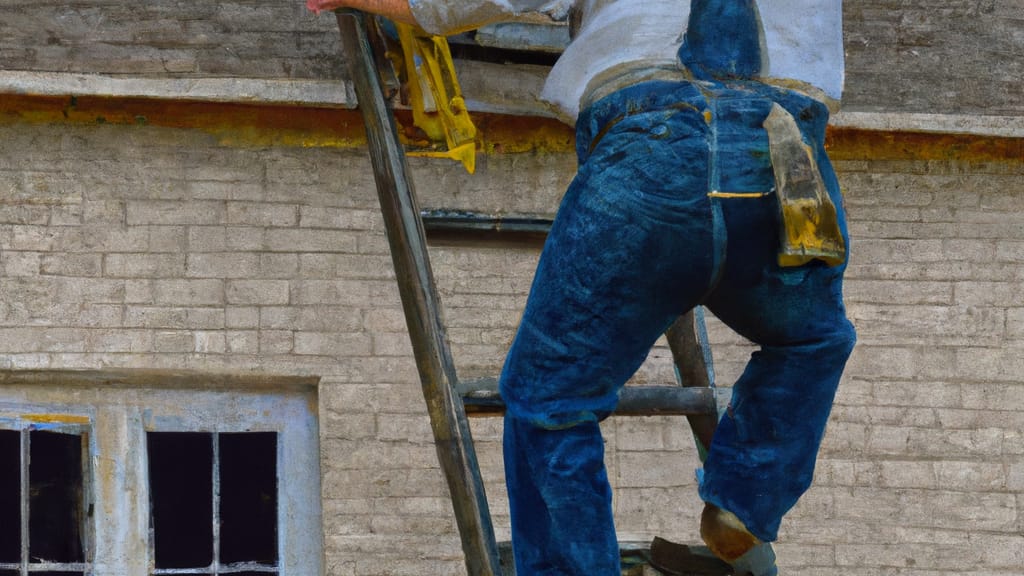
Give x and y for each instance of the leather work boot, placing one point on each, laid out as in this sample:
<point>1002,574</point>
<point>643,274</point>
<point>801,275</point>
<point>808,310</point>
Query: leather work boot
<point>725,534</point>
<point>727,537</point>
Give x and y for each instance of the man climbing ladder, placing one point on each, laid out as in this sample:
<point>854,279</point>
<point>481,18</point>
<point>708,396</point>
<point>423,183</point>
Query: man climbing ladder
<point>702,179</point>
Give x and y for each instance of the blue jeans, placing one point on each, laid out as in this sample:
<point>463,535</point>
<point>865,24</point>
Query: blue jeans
<point>638,241</point>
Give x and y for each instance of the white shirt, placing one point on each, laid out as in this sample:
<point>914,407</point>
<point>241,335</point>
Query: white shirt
<point>803,39</point>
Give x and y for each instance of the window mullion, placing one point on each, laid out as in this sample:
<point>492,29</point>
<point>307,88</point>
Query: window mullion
<point>25,452</point>
<point>216,503</point>
<point>87,535</point>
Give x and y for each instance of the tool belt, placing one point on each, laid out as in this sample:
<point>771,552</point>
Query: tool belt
<point>809,225</point>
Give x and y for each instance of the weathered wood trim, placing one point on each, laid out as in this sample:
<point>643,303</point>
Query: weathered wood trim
<point>158,379</point>
<point>261,124</point>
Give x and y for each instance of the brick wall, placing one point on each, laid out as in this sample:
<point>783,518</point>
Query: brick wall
<point>935,56</point>
<point>251,39</point>
<point>921,470</point>
<point>143,247</point>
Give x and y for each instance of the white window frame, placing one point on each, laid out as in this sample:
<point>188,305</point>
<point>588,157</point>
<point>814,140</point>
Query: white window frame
<point>117,409</point>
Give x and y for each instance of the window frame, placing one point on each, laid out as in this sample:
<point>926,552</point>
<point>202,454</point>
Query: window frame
<point>217,567</point>
<point>36,420</point>
<point>117,410</point>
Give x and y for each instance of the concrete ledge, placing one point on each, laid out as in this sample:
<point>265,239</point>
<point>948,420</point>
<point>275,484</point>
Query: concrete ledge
<point>477,79</point>
<point>332,93</point>
<point>157,379</point>
<point>1001,126</point>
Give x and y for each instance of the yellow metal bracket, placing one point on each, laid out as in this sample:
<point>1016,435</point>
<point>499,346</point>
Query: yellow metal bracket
<point>426,72</point>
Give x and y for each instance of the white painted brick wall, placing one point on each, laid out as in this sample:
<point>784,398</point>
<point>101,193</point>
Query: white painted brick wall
<point>157,248</point>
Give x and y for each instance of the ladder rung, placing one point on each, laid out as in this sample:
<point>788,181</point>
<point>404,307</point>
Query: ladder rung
<point>635,555</point>
<point>453,227</point>
<point>481,398</point>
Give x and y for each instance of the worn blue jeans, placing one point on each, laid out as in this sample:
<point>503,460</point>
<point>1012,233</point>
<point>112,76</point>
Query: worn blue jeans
<point>638,240</point>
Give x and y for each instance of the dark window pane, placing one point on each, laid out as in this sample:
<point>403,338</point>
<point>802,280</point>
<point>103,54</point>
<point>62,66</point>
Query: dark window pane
<point>55,497</point>
<point>10,497</point>
<point>181,491</point>
<point>248,497</point>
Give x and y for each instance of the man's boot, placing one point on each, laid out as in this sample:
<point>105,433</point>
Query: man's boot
<point>727,537</point>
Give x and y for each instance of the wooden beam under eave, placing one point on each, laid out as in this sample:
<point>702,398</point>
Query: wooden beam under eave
<point>257,124</point>
<point>245,124</point>
<point>845,144</point>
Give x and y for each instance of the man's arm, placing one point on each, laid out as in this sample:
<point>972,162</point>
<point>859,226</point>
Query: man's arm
<point>397,10</point>
<point>446,17</point>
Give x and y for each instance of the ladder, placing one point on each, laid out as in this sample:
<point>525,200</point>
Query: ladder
<point>449,401</point>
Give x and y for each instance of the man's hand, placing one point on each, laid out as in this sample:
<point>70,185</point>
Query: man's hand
<point>397,10</point>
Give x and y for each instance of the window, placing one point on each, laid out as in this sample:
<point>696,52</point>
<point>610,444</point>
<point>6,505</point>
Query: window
<point>130,479</point>
<point>214,502</point>
<point>43,509</point>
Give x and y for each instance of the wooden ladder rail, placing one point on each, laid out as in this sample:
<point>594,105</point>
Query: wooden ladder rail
<point>447,400</point>
<point>419,301</point>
